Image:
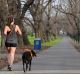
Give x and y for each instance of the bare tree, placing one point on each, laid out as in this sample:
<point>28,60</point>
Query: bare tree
<point>3,16</point>
<point>71,9</point>
<point>37,10</point>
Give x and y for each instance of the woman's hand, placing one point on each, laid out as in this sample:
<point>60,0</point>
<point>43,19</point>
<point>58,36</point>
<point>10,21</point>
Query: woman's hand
<point>18,30</point>
<point>6,29</point>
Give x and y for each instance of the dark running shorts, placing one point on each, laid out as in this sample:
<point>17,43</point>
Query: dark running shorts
<point>10,44</point>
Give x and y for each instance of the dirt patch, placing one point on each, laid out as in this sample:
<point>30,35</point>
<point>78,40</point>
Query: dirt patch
<point>3,61</point>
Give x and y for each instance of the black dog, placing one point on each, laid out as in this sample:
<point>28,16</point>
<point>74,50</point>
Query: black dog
<point>27,58</point>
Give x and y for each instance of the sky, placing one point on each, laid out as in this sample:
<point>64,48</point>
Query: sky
<point>56,3</point>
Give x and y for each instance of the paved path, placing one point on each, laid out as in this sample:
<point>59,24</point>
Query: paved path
<point>62,56</point>
<point>43,72</point>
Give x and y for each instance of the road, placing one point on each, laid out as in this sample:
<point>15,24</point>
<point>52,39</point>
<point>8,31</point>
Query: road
<point>61,57</point>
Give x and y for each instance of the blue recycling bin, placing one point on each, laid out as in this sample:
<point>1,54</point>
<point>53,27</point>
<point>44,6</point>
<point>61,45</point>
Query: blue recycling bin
<point>37,44</point>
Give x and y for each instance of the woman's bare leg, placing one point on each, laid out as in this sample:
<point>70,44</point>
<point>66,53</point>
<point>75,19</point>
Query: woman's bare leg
<point>8,55</point>
<point>11,53</point>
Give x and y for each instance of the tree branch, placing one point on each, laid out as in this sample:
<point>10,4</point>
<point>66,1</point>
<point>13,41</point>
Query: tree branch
<point>26,6</point>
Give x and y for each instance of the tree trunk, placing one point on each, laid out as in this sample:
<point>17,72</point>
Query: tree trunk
<point>3,15</point>
<point>22,40</point>
<point>25,39</point>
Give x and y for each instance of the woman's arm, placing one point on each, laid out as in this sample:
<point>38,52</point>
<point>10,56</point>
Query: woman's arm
<point>5,30</point>
<point>18,30</point>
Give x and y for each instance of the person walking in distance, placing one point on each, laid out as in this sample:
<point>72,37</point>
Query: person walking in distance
<point>10,31</point>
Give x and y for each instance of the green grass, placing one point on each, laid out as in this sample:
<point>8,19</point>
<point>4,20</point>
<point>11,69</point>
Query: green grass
<point>48,43</point>
<point>31,39</point>
<point>52,42</point>
<point>76,37</point>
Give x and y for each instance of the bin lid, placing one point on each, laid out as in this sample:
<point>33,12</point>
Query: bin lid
<point>37,39</point>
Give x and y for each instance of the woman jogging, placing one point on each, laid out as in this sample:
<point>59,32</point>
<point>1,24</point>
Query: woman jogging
<point>10,31</point>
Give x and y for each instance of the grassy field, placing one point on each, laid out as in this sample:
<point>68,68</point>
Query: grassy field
<point>52,42</point>
<point>49,43</point>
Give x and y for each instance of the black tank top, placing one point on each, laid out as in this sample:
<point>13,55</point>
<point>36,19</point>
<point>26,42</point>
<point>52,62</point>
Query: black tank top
<point>11,36</point>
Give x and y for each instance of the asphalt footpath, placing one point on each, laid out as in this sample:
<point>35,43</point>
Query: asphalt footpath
<point>62,58</point>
